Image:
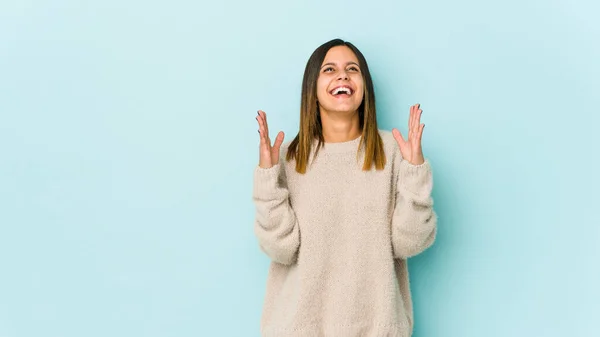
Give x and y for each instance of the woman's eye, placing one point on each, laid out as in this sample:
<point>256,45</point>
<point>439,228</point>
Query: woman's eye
<point>353,68</point>
<point>328,69</point>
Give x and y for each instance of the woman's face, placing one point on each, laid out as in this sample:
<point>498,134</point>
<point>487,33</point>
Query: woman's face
<point>340,86</point>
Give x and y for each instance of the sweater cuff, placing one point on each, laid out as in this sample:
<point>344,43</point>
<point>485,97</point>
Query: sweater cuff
<point>415,177</point>
<point>265,181</point>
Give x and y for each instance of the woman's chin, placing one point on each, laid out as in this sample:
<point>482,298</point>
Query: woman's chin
<point>344,110</point>
<point>340,108</point>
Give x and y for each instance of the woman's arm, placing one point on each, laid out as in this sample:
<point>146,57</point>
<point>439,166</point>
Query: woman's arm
<point>414,223</point>
<point>275,226</point>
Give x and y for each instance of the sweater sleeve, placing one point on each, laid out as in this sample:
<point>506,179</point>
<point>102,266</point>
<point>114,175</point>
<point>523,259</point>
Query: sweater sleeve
<point>414,223</point>
<point>275,226</point>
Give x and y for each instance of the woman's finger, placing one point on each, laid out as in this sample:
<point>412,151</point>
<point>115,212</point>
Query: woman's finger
<point>264,115</point>
<point>421,132</point>
<point>264,136</point>
<point>278,140</point>
<point>415,123</point>
<point>418,121</point>
<point>276,147</point>
<point>260,124</point>
<point>398,136</point>
<point>410,121</point>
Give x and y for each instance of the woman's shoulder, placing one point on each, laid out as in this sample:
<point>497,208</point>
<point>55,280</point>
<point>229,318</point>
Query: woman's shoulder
<point>391,148</point>
<point>284,147</point>
<point>389,142</point>
<point>386,135</point>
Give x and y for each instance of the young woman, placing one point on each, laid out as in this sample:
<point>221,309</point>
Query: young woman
<point>340,208</point>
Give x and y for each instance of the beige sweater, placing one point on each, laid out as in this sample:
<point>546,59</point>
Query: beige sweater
<point>338,238</point>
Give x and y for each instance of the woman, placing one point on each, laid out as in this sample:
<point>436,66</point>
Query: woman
<point>340,208</point>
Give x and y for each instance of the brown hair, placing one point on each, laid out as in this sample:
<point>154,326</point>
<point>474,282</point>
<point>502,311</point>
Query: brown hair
<point>310,118</point>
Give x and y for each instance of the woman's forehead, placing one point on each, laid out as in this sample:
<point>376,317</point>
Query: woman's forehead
<point>340,55</point>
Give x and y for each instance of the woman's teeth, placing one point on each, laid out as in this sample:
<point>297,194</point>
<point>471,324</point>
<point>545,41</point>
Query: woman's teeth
<point>341,90</point>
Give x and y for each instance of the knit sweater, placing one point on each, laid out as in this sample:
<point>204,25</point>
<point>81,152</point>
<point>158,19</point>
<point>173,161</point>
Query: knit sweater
<point>339,238</point>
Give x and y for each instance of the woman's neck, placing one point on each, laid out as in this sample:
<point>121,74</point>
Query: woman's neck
<point>340,127</point>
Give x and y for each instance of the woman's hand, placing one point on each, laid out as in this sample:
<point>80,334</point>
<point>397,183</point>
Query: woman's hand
<point>411,147</point>
<point>269,155</point>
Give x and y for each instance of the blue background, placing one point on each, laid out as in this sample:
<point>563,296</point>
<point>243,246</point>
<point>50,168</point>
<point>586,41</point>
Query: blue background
<point>128,142</point>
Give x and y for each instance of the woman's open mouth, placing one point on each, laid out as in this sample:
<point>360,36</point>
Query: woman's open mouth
<point>342,92</point>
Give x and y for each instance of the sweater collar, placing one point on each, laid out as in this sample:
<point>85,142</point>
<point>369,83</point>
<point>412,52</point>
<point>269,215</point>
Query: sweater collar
<point>339,147</point>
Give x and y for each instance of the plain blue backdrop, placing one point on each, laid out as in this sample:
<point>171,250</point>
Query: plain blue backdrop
<point>128,142</point>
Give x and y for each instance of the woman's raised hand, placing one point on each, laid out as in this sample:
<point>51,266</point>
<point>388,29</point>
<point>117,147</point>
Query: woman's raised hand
<point>411,147</point>
<point>269,154</point>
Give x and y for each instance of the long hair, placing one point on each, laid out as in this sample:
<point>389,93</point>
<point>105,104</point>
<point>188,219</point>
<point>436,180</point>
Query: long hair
<point>310,118</point>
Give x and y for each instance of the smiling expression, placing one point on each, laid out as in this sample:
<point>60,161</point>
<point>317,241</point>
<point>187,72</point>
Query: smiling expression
<point>340,85</point>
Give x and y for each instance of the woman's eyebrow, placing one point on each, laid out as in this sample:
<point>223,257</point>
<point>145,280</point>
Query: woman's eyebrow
<point>333,64</point>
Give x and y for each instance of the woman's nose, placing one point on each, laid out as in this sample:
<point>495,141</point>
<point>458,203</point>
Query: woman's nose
<point>343,75</point>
